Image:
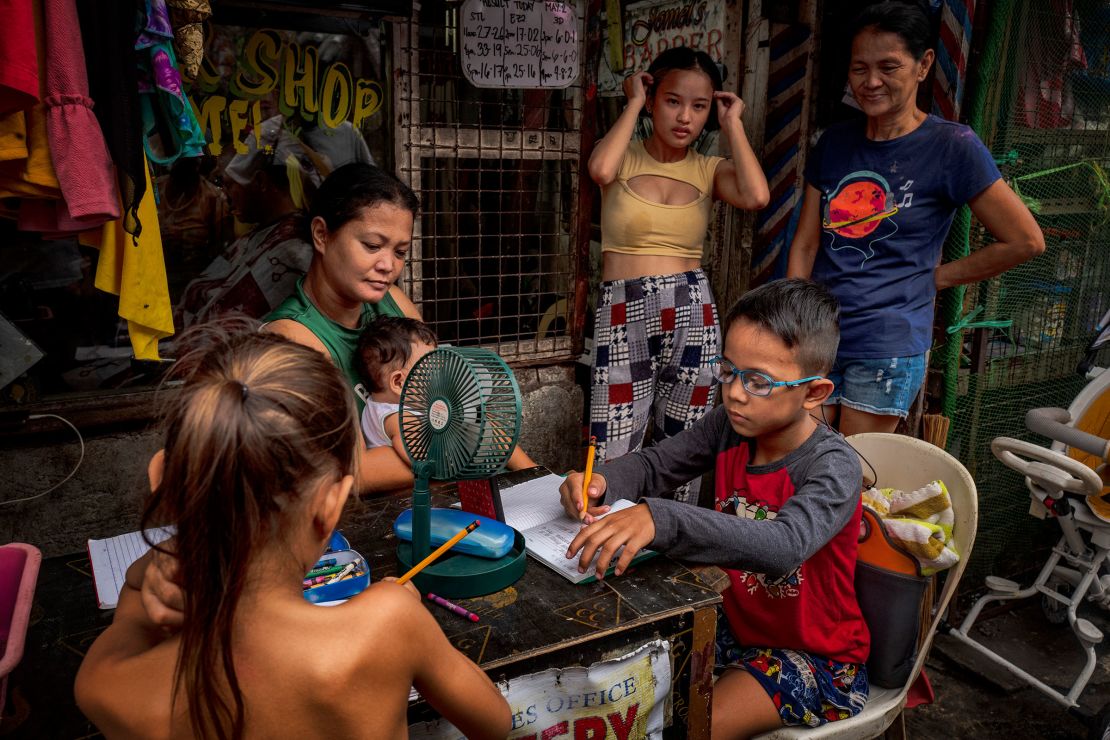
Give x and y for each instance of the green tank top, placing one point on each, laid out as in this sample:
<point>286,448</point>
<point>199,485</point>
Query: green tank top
<point>340,341</point>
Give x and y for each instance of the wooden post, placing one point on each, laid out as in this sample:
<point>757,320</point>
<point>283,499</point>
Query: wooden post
<point>699,718</point>
<point>586,189</point>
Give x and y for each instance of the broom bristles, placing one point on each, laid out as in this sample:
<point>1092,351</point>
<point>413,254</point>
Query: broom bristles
<point>936,429</point>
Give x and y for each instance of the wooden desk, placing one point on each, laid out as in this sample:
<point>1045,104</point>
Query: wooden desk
<point>544,621</point>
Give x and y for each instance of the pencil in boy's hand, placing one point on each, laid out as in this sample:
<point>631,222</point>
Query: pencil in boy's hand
<point>587,475</point>
<point>439,551</point>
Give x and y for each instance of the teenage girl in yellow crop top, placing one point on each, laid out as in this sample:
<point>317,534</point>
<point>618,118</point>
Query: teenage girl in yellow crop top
<point>656,327</point>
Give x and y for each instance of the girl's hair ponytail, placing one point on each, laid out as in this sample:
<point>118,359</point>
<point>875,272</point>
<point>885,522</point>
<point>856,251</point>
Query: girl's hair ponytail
<point>258,422</point>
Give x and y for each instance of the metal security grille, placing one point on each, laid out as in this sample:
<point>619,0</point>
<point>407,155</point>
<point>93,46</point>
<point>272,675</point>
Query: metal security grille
<point>494,260</point>
<point>1042,105</point>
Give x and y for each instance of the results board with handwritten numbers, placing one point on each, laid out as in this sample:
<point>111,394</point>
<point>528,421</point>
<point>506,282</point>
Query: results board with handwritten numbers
<point>519,43</point>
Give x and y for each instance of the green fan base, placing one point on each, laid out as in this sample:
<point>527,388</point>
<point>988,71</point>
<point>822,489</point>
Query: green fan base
<point>460,576</point>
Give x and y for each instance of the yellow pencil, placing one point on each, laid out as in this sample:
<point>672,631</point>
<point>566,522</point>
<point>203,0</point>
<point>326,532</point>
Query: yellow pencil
<point>587,475</point>
<point>439,551</point>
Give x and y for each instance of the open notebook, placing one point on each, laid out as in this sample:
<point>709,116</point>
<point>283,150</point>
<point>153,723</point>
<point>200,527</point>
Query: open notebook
<point>534,509</point>
<point>111,557</point>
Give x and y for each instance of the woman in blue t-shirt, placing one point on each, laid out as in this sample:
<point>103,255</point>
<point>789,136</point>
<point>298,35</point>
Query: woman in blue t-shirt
<point>880,197</point>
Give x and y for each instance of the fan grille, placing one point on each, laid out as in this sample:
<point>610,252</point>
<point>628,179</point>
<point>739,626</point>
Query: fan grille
<point>460,413</point>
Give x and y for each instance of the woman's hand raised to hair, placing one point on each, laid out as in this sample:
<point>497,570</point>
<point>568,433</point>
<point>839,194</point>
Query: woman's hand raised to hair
<point>730,107</point>
<point>155,577</point>
<point>635,88</point>
<point>608,153</point>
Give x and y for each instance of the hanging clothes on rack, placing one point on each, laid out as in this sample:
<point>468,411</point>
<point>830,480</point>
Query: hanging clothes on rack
<point>188,17</point>
<point>57,176</point>
<point>170,128</point>
<point>19,71</point>
<point>26,169</point>
<point>109,30</point>
<point>32,175</point>
<point>77,146</point>
<point>133,267</point>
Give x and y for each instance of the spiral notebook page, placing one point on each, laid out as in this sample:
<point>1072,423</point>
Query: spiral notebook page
<point>533,502</point>
<point>534,509</point>
<point>548,542</point>
<point>110,558</point>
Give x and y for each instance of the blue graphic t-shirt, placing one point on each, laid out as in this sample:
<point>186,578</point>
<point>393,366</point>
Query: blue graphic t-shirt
<point>886,207</point>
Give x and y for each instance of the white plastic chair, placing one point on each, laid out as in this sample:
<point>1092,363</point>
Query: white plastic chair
<point>905,463</point>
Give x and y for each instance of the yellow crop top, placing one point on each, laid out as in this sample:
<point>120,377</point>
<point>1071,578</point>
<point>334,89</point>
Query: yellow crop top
<point>632,225</point>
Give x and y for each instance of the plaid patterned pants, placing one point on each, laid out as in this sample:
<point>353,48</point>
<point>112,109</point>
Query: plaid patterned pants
<point>654,338</point>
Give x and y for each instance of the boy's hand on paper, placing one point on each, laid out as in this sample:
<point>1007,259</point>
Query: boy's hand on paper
<point>407,584</point>
<point>161,594</point>
<point>633,529</point>
<point>570,493</point>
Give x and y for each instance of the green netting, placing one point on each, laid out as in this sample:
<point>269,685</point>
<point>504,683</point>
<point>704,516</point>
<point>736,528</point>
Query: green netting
<point>1041,102</point>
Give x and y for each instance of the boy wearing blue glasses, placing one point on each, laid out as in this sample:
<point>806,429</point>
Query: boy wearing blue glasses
<point>785,523</point>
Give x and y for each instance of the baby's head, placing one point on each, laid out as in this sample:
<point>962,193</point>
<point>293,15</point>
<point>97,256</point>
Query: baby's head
<point>387,349</point>
<point>783,337</point>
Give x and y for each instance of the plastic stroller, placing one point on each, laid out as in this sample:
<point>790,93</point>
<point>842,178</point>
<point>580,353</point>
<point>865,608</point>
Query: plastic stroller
<point>1067,483</point>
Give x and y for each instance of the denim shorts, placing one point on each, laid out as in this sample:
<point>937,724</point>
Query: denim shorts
<point>884,386</point>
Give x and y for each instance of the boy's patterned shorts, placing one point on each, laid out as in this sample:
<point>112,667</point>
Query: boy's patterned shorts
<point>654,338</point>
<point>806,689</point>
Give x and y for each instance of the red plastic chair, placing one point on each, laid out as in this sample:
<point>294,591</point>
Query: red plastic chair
<point>19,572</point>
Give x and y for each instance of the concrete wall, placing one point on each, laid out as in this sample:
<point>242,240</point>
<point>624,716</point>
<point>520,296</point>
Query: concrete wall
<point>551,431</point>
<point>103,497</point>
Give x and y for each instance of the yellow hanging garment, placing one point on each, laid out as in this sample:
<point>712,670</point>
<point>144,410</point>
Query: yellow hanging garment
<point>135,270</point>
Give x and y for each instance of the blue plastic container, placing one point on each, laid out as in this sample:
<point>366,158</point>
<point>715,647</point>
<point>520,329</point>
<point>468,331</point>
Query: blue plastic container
<point>339,550</point>
<point>493,539</point>
<point>337,542</point>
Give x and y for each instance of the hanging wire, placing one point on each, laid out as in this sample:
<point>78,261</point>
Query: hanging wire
<point>57,485</point>
<point>824,420</point>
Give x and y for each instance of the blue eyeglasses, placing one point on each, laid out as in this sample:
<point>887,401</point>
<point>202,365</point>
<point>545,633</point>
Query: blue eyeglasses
<point>754,382</point>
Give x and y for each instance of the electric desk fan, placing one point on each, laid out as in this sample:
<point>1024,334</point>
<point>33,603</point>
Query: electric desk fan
<point>460,419</point>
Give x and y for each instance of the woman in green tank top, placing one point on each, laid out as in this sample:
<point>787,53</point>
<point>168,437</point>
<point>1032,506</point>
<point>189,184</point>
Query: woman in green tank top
<point>360,224</point>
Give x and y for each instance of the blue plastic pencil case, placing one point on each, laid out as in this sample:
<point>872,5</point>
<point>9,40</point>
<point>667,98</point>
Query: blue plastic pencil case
<point>337,541</point>
<point>343,589</point>
<point>493,539</point>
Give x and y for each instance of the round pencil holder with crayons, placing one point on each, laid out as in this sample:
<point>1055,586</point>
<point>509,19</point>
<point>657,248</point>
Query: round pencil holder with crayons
<point>339,574</point>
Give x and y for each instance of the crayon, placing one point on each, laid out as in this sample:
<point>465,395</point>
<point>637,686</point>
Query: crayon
<point>453,607</point>
<point>328,582</point>
<point>347,569</point>
<point>329,570</point>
